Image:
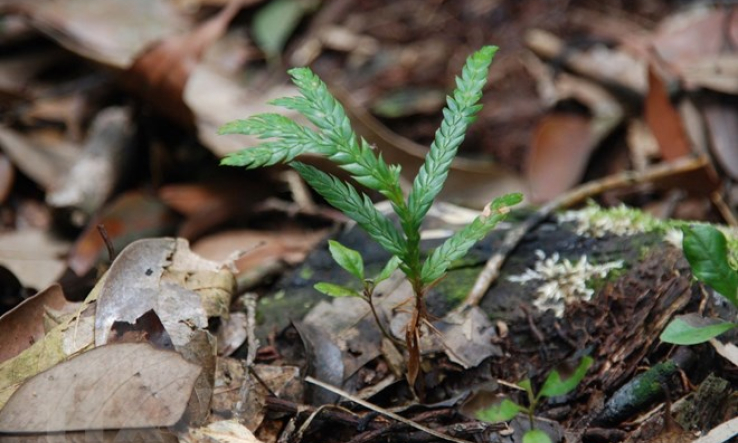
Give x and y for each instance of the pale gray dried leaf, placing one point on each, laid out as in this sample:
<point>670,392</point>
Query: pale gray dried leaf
<point>128,385</point>
<point>98,170</point>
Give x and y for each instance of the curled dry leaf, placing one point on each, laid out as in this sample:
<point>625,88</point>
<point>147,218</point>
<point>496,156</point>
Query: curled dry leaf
<point>129,385</point>
<point>27,323</point>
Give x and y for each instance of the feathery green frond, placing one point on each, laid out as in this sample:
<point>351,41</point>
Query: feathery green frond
<point>291,141</point>
<point>352,153</point>
<point>456,246</point>
<point>356,206</point>
<point>458,115</point>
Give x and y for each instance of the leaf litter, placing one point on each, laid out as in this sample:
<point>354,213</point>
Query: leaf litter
<point>372,52</point>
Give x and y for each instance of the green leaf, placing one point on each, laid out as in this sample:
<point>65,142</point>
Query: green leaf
<point>355,205</point>
<point>335,290</point>
<point>456,246</point>
<point>692,329</point>
<point>556,385</point>
<point>503,411</point>
<point>388,269</point>
<point>536,436</point>
<point>458,115</point>
<point>275,22</point>
<point>707,252</point>
<point>347,258</point>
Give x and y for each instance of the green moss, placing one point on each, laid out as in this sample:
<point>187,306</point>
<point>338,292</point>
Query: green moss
<point>306,273</point>
<point>456,286</point>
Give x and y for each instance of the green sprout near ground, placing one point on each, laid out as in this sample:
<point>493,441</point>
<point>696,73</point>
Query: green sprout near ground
<point>706,250</point>
<point>333,138</point>
<point>555,385</point>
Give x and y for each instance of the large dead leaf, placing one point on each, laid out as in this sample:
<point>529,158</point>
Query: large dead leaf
<point>163,276</point>
<point>131,385</point>
<point>73,335</point>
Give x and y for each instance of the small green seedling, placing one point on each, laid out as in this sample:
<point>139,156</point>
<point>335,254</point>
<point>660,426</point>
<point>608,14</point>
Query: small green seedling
<point>706,250</point>
<point>351,261</point>
<point>334,139</point>
<point>554,386</point>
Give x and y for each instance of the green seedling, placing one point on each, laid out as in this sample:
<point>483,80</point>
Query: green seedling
<point>555,385</point>
<point>706,250</point>
<point>353,263</point>
<point>333,138</point>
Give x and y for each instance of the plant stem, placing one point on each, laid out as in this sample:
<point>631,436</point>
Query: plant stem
<point>368,292</point>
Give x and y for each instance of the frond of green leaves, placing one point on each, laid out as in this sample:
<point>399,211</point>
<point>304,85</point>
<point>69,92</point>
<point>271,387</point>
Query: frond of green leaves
<point>334,139</point>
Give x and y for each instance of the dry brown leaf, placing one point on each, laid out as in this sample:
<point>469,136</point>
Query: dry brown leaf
<point>26,323</point>
<point>208,205</point>
<point>255,248</point>
<point>559,153</point>
<point>130,385</point>
<point>664,119</point>
<point>161,74</point>
<point>131,216</point>
<point>695,35</point>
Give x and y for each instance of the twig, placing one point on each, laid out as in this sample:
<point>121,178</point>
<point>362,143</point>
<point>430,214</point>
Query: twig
<point>249,301</point>
<point>627,178</point>
<point>383,411</point>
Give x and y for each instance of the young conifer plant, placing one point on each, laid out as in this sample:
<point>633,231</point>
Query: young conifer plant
<point>333,138</point>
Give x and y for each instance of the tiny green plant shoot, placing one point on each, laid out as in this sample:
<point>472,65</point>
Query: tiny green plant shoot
<point>333,138</point>
<point>554,386</point>
<point>353,263</point>
<point>706,250</point>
